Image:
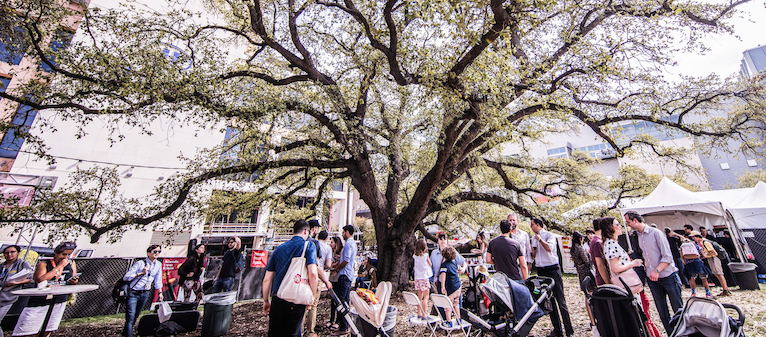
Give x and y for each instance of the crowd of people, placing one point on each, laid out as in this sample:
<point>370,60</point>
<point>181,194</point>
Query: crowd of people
<point>663,261</point>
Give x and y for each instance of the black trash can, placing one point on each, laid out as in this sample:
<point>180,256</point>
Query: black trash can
<point>217,317</point>
<point>747,278</point>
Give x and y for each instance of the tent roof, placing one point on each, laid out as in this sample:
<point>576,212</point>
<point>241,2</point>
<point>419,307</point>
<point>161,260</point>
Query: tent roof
<point>669,196</point>
<point>756,198</point>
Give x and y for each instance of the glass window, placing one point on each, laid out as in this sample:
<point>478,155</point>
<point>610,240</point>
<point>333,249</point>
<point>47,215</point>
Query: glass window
<point>337,186</point>
<point>12,46</point>
<point>13,139</point>
<point>60,40</point>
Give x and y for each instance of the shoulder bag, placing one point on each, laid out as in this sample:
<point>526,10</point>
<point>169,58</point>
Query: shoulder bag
<point>295,287</point>
<point>629,276</point>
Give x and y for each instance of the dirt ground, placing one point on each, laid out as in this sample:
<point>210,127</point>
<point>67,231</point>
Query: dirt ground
<point>248,319</point>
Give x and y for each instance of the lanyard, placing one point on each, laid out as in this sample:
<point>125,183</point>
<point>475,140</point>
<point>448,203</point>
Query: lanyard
<point>58,272</point>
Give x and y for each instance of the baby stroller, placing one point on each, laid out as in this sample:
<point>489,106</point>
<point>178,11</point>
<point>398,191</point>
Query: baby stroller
<point>616,311</point>
<point>706,318</point>
<point>365,319</point>
<point>514,308</point>
<point>473,298</point>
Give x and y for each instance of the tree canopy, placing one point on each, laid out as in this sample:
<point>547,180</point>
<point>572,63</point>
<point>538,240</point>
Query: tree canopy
<point>414,102</point>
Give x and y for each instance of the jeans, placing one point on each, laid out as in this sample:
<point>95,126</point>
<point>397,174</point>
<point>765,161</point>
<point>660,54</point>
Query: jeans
<point>136,301</point>
<point>285,318</point>
<point>680,265</point>
<point>663,289</point>
<point>560,311</point>
<point>343,291</point>
<point>222,284</point>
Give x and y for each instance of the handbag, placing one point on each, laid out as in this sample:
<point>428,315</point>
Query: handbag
<point>629,276</point>
<point>295,287</point>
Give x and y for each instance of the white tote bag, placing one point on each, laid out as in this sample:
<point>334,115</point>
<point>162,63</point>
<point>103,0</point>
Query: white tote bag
<point>295,287</point>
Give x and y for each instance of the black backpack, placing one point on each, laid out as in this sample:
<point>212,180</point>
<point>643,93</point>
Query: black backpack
<point>120,290</point>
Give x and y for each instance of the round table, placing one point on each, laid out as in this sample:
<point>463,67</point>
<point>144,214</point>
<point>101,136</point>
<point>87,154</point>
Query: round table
<point>53,291</point>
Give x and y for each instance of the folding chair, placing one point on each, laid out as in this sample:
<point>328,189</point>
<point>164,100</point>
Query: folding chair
<point>430,321</point>
<point>443,302</point>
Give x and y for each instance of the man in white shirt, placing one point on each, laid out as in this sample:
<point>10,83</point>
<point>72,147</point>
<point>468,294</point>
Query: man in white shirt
<point>545,253</point>
<point>523,238</point>
<point>437,259</point>
<point>142,275</point>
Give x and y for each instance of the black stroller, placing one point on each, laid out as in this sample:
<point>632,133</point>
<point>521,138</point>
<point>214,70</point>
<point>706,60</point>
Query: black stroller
<point>514,308</point>
<point>707,318</point>
<point>616,311</point>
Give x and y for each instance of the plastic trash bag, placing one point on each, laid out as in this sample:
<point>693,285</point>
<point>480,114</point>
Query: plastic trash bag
<point>164,312</point>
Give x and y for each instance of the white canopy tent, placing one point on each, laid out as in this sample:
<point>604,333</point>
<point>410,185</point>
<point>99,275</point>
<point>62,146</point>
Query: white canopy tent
<point>673,206</point>
<point>750,212</point>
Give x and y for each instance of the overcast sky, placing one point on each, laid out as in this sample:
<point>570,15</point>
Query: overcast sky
<point>723,58</point>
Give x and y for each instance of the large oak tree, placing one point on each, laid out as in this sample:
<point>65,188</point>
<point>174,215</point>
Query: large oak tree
<point>412,102</point>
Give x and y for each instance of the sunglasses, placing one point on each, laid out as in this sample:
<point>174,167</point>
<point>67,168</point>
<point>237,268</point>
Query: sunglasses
<point>231,241</point>
<point>156,251</point>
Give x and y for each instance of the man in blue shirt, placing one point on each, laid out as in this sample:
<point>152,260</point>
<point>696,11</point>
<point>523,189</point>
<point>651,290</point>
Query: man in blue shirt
<point>285,318</point>
<point>346,271</point>
<point>142,275</point>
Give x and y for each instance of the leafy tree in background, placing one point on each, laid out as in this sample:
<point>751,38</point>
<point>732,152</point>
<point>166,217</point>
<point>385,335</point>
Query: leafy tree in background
<point>413,102</point>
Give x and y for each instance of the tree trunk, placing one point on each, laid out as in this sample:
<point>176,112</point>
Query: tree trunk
<point>395,257</point>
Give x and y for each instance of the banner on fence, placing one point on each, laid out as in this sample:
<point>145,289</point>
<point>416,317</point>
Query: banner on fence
<point>259,259</point>
<point>170,278</point>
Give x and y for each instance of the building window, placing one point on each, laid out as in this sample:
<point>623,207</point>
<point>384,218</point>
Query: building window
<point>337,186</point>
<point>4,82</point>
<point>60,41</point>
<point>13,138</point>
<point>558,152</point>
<point>598,151</point>
<point>631,130</point>
<point>12,46</point>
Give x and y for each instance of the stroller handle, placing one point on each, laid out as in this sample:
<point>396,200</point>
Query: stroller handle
<point>741,318</point>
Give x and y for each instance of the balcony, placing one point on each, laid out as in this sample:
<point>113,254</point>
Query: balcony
<point>231,228</point>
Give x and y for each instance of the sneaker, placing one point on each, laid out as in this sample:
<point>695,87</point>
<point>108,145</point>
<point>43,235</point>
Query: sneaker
<point>694,294</point>
<point>724,293</point>
<point>447,324</point>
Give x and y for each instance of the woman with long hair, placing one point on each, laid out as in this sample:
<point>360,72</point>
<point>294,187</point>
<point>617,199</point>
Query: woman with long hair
<point>189,275</point>
<point>582,261</point>
<point>619,261</point>
<point>57,271</point>
<point>336,244</point>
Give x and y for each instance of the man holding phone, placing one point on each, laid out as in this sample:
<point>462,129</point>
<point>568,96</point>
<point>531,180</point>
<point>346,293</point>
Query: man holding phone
<point>142,275</point>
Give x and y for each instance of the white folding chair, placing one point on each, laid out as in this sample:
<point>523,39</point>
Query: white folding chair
<point>443,302</point>
<point>430,321</point>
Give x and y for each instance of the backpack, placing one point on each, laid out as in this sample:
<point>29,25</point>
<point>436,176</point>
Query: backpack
<point>120,290</point>
<point>722,254</point>
<point>689,250</point>
<point>240,263</point>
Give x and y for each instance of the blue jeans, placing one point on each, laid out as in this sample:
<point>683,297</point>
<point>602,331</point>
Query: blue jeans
<point>136,301</point>
<point>343,291</point>
<point>222,284</point>
<point>663,289</point>
<point>680,265</point>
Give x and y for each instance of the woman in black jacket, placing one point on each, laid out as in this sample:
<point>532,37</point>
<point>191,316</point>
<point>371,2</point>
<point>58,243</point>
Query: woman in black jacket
<point>189,275</point>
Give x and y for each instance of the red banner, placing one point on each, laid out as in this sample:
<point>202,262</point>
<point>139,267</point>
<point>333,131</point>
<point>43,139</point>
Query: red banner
<point>259,259</point>
<point>170,277</point>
